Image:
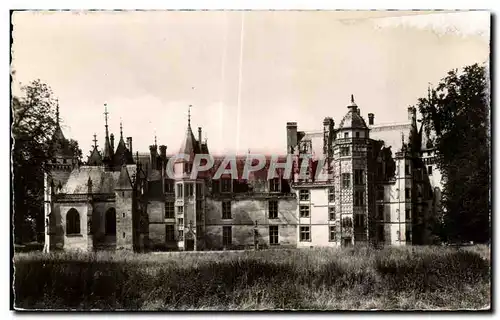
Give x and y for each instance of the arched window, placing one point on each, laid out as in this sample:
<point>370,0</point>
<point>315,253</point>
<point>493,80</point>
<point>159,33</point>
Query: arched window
<point>111,221</point>
<point>72,222</point>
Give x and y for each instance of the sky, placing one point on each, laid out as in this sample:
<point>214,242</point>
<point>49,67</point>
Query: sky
<point>246,73</point>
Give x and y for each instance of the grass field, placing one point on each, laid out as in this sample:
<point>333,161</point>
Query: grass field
<point>325,279</point>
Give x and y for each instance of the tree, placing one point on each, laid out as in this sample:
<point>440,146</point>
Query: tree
<point>33,125</point>
<point>457,111</point>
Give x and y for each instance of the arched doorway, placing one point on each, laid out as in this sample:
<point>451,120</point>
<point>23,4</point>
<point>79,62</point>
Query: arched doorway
<point>72,222</point>
<point>110,223</point>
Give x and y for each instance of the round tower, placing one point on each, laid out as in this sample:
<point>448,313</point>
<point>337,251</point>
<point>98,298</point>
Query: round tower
<point>350,149</point>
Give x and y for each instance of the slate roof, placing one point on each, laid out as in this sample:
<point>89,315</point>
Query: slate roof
<point>353,119</point>
<point>102,181</point>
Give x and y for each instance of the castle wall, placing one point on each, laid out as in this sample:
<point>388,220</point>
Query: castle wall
<point>244,215</point>
<point>124,231</point>
<point>77,241</point>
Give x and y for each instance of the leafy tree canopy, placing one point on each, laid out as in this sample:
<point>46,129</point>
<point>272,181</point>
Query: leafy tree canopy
<point>456,116</point>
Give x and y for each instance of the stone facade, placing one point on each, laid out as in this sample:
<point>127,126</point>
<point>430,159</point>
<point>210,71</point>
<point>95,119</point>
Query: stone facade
<point>374,184</point>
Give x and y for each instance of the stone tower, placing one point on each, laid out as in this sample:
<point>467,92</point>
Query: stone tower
<point>57,171</point>
<point>350,166</point>
<point>124,211</point>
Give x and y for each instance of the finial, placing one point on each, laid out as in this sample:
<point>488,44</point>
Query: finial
<point>106,113</point>
<point>189,115</point>
<point>155,141</point>
<point>137,156</point>
<point>106,118</point>
<point>95,140</point>
<point>121,129</point>
<point>352,98</point>
<point>57,110</point>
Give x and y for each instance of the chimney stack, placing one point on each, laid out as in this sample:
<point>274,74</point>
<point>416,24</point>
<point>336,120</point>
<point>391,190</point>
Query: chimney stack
<point>291,134</point>
<point>153,156</point>
<point>112,138</point>
<point>371,117</point>
<point>163,152</point>
<point>129,144</point>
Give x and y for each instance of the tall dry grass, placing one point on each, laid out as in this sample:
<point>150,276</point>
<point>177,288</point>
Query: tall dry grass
<point>350,278</point>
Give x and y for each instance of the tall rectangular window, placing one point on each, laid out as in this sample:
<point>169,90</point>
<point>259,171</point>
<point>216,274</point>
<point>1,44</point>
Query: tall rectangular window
<point>199,191</point>
<point>346,222</point>
<point>305,234</point>
<point>274,185</point>
<point>360,221</point>
<point>215,186</point>
<point>180,221</point>
<point>408,214</point>
<point>332,235</point>
<point>359,178</point>
<point>346,180</point>
<point>429,170</point>
<point>359,198</point>
<point>273,235</point>
<point>227,235</point>
<point>380,212</point>
<point>226,185</point>
<point>345,151</point>
<point>273,209</point>
<point>331,213</point>
<point>180,210</point>
<point>407,193</point>
<point>181,234</point>
<point>226,210</point>
<point>169,186</point>
<point>189,189</point>
<point>169,210</point>
<point>179,190</point>
<point>199,210</point>
<point>407,168</point>
<point>304,211</point>
<point>199,232</point>
<point>169,232</point>
<point>303,195</point>
<point>346,135</point>
<point>331,194</point>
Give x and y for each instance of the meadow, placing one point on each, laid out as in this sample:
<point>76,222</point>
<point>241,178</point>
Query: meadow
<point>355,278</point>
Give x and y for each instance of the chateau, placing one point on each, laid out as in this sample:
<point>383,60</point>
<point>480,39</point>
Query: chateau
<point>369,183</point>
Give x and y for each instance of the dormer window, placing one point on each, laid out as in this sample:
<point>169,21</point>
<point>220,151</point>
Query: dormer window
<point>346,135</point>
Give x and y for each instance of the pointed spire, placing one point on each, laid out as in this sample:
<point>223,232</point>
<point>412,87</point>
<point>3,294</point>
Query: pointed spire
<point>189,116</point>
<point>95,140</point>
<point>108,149</point>
<point>57,111</point>
<point>121,129</point>
<point>106,118</point>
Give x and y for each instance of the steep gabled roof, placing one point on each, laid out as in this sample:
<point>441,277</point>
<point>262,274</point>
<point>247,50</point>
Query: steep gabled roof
<point>95,158</point>
<point>122,154</point>
<point>59,144</point>
<point>190,145</point>
<point>124,182</point>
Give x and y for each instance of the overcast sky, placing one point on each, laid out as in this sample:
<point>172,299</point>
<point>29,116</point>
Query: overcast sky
<point>251,71</point>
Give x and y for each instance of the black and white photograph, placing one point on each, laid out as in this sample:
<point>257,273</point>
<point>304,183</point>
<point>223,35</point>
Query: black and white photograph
<point>250,160</point>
